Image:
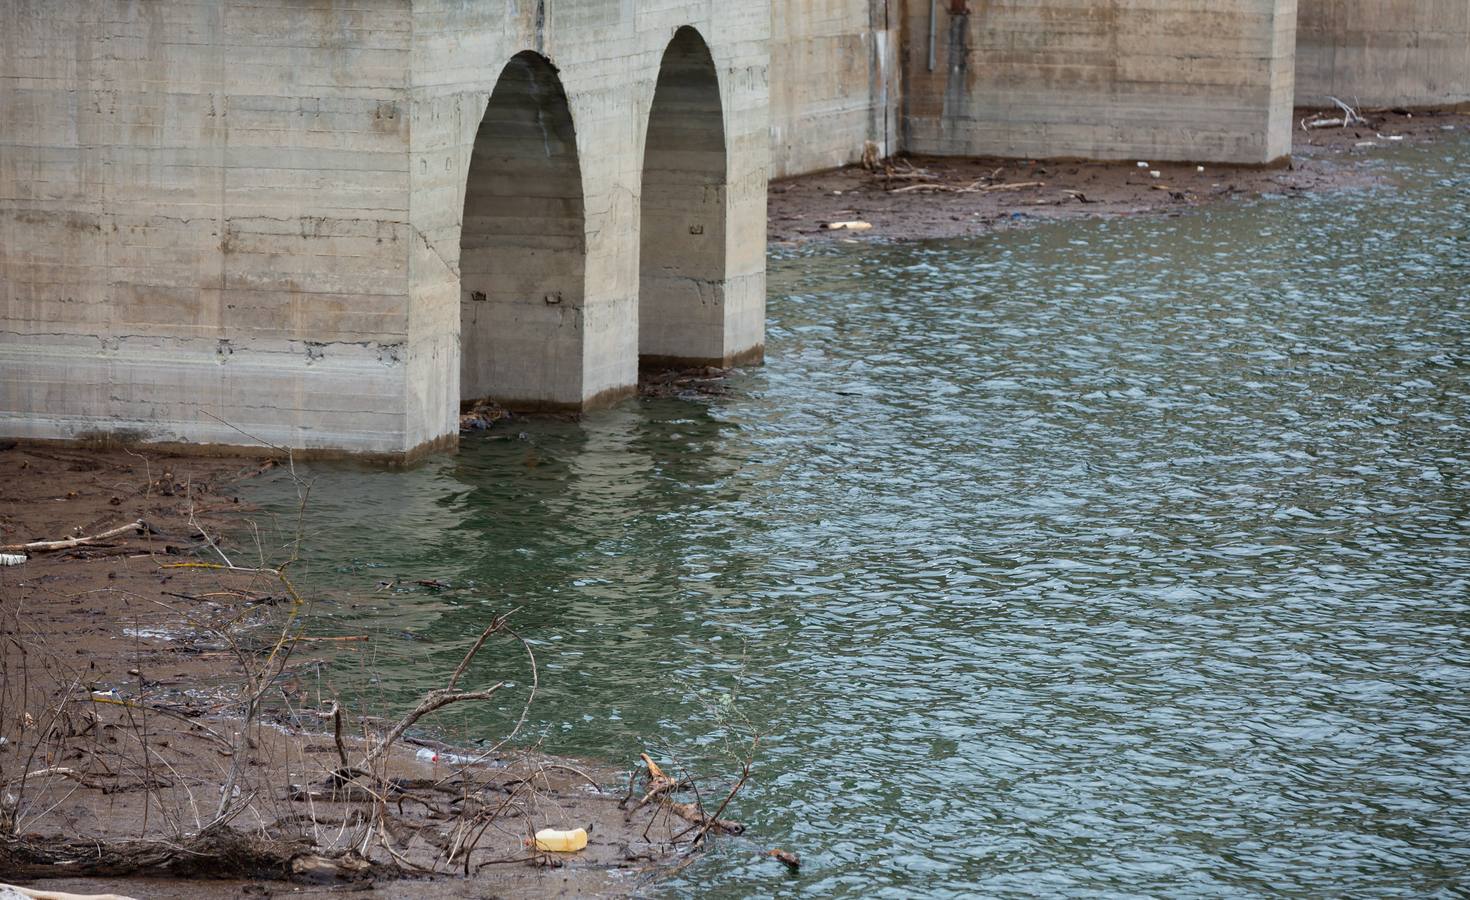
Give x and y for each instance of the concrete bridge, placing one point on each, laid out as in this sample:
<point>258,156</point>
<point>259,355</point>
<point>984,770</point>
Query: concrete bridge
<point>323,225</point>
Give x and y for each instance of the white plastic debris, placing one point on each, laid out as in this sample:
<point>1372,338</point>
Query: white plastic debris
<point>453,759</point>
<point>855,225</point>
<point>1200,169</point>
<point>1155,174</point>
<point>1142,164</point>
<point>12,559</point>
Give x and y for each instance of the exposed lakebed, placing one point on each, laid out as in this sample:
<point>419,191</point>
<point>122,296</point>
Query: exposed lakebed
<point>1104,557</point>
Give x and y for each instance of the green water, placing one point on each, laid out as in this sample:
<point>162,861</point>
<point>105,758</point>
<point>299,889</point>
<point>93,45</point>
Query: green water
<point>1096,559</point>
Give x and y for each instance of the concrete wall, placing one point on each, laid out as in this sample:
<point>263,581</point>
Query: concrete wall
<point>1105,79</point>
<point>834,82</point>
<point>1383,52</point>
<point>216,212</point>
<point>203,212</point>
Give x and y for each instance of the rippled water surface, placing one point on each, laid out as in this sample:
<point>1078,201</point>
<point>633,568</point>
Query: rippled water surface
<point>1100,558</point>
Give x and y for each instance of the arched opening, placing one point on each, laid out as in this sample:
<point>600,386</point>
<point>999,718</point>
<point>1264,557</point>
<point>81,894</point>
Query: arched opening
<point>682,260</point>
<point>522,246</point>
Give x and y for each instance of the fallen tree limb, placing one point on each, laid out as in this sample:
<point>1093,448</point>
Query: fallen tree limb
<point>213,853</point>
<point>348,639</point>
<point>34,894</point>
<point>1350,116</point>
<point>659,783</point>
<point>972,188</point>
<point>191,721</point>
<point>439,698</point>
<point>1014,186</point>
<point>661,786</point>
<point>434,700</point>
<point>67,543</point>
<point>920,188</point>
<point>88,781</point>
<point>689,812</point>
<point>714,821</point>
<point>60,771</point>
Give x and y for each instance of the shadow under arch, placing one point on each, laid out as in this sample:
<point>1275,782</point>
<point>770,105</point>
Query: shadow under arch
<point>682,264</point>
<point>523,246</point>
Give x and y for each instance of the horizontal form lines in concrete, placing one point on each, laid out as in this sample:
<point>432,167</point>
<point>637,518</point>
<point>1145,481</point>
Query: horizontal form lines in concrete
<point>252,212</point>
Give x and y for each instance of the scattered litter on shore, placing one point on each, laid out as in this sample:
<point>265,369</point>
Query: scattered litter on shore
<point>914,198</point>
<point>174,725</point>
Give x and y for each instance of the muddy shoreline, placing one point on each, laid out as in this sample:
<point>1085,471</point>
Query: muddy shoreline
<point>916,198</point>
<point>123,686</point>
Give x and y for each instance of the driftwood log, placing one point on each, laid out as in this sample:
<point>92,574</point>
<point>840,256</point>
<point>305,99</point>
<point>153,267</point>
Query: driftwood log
<point>660,788</point>
<point>217,853</point>
<point>68,543</point>
<point>8,891</point>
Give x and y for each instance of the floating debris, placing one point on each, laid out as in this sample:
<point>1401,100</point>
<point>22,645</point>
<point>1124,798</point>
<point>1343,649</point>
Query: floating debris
<point>482,415</point>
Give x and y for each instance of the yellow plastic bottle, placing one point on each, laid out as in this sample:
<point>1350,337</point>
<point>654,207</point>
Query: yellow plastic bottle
<point>561,841</point>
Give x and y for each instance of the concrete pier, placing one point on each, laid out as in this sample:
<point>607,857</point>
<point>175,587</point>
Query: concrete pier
<point>1172,80</point>
<point>1177,79</point>
<point>323,227</point>
<point>834,82</point>
<point>1383,52</point>
<point>1164,79</point>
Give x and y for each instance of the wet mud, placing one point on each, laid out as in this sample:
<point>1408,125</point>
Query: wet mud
<point>915,198</point>
<point>124,684</point>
